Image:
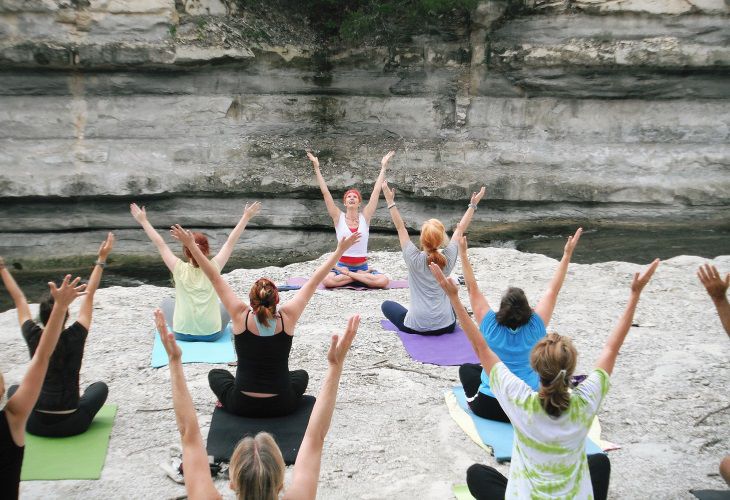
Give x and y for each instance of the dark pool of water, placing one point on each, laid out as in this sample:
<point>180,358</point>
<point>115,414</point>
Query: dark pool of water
<point>638,245</point>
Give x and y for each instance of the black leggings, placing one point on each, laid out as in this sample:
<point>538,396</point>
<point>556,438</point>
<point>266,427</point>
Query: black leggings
<point>68,424</point>
<point>487,483</point>
<point>396,314</point>
<point>223,384</point>
<point>482,405</point>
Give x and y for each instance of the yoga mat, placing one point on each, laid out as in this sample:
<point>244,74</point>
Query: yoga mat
<point>220,351</point>
<point>449,349</point>
<point>75,457</point>
<point>461,492</point>
<point>711,494</point>
<point>489,434</point>
<point>227,429</point>
<point>392,285</point>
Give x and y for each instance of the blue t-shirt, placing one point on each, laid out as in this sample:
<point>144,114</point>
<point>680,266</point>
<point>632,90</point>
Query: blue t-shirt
<point>513,348</point>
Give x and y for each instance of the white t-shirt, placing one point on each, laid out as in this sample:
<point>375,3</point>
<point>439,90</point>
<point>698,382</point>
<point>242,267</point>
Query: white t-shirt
<point>359,249</point>
<point>548,455</point>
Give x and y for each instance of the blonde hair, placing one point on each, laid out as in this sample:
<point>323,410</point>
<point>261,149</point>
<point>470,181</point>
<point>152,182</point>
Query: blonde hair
<point>264,297</point>
<point>257,468</point>
<point>433,235</point>
<point>554,359</point>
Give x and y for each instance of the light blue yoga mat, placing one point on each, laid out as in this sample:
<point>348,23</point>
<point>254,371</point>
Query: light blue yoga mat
<point>499,435</point>
<point>220,351</point>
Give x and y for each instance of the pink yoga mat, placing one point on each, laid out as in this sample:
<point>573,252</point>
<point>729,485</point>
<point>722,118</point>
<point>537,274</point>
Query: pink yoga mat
<point>393,284</point>
<point>449,349</point>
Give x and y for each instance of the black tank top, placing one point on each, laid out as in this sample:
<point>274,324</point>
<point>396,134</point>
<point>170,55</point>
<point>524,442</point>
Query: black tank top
<point>11,460</point>
<point>263,362</point>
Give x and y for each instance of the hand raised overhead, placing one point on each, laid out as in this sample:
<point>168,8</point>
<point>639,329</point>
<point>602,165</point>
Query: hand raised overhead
<point>572,242</point>
<point>387,158</point>
<point>166,337</point>
<point>249,211</point>
<point>714,284</point>
<point>106,246</point>
<point>139,214</point>
<point>641,279</point>
<point>346,243</point>
<point>388,193</point>
<point>182,235</point>
<point>68,291</point>
<point>447,284</point>
<point>477,197</point>
<point>313,159</point>
<point>341,344</point>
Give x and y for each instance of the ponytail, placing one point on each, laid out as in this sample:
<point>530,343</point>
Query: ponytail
<point>554,359</point>
<point>433,234</point>
<point>264,297</point>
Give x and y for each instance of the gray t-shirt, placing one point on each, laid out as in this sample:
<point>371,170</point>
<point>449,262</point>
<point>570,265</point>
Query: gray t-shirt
<point>430,308</point>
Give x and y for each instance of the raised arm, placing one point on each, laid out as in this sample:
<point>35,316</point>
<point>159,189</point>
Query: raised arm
<point>87,305</point>
<point>226,250</point>
<point>295,306</point>
<point>21,304</point>
<point>717,290</point>
<point>140,215</point>
<point>478,302</point>
<point>546,306</point>
<point>198,483</point>
<point>487,357</point>
<point>328,201</point>
<point>235,306</point>
<point>395,215</point>
<point>369,209</point>
<point>463,225</point>
<point>309,458</point>
<point>21,404</point>
<point>607,358</point>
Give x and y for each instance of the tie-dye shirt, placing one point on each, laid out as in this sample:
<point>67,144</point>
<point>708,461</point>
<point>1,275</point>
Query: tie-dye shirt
<point>548,455</point>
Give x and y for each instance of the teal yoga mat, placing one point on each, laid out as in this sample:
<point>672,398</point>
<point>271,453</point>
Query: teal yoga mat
<point>75,457</point>
<point>499,435</point>
<point>220,351</point>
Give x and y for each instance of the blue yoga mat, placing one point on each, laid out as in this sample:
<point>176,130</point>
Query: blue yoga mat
<point>220,351</point>
<point>499,435</point>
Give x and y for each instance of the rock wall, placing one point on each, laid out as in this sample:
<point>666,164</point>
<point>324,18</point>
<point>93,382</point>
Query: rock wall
<point>580,110</point>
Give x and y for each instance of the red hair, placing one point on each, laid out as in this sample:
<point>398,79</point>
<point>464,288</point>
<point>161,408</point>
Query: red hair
<point>433,235</point>
<point>353,190</point>
<point>264,296</point>
<point>202,241</point>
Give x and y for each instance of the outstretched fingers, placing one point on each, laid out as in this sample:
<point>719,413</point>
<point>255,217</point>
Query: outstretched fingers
<point>641,279</point>
<point>181,234</point>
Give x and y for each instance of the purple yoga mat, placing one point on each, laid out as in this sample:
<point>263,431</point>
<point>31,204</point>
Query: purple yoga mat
<point>393,284</point>
<point>449,349</point>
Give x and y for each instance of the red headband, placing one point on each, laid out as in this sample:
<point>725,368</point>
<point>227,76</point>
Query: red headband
<point>352,191</point>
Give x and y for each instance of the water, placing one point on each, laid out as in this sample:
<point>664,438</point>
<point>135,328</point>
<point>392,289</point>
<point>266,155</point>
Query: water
<point>639,245</point>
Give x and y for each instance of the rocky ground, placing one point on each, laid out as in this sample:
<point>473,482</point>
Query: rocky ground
<point>391,436</point>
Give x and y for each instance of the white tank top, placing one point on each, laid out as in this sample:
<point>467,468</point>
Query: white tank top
<point>359,249</point>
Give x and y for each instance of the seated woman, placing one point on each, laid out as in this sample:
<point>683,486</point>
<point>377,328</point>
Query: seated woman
<point>353,266</point>
<point>511,332</point>
<point>15,414</point>
<point>430,312</point>
<point>257,465</point>
<point>263,386</point>
<point>551,424</point>
<point>196,313</point>
<point>60,412</point>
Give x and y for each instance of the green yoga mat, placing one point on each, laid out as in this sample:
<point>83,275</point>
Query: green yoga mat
<point>461,492</point>
<point>75,457</point>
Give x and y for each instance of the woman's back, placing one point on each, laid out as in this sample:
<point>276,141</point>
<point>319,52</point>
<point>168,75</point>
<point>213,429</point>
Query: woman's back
<point>548,456</point>
<point>196,304</point>
<point>513,347</point>
<point>263,359</point>
<point>430,308</point>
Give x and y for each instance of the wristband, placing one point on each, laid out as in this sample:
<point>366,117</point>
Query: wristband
<point>473,205</point>
<point>100,264</point>
<point>391,206</point>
